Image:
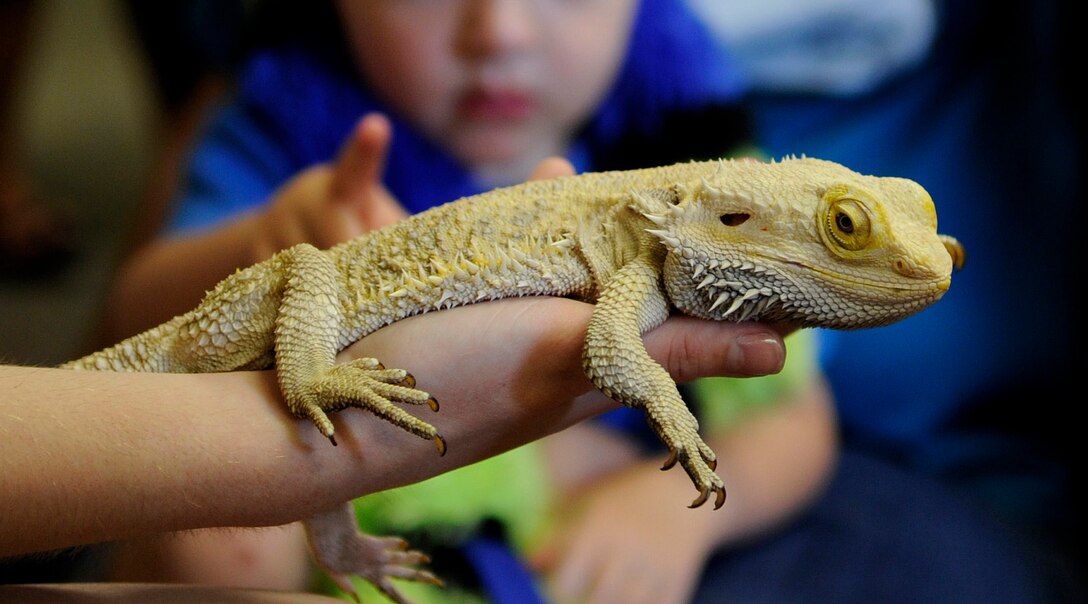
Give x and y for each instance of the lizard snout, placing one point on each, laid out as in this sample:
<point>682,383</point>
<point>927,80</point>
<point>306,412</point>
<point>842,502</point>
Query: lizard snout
<point>929,269</point>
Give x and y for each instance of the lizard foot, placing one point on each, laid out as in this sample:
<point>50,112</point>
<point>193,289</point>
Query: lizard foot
<point>343,552</point>
<point>366,384</point>
<point>699,461</point>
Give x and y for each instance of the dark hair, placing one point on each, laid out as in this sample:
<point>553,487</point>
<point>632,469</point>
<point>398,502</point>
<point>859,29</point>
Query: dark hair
<point>186,40</point>
<point>313,24</point>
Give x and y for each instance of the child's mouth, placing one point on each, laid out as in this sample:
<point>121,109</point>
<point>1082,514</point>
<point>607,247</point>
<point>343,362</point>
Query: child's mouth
<point>496,104</point>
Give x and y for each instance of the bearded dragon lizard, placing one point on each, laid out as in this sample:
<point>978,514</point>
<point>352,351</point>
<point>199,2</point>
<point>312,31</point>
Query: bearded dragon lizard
<point>801,241</point>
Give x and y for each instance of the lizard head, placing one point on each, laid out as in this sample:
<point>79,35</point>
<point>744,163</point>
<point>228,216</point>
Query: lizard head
<point>804,241</point>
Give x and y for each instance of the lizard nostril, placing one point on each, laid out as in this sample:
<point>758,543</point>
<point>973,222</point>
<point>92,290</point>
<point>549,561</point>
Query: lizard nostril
<point>904,268</point>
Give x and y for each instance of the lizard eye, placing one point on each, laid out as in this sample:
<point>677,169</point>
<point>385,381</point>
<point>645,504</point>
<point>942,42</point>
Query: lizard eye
<point>847,223</point>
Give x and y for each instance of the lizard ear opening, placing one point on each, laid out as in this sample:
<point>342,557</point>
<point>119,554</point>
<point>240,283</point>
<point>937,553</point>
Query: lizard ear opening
<point>735,218</point>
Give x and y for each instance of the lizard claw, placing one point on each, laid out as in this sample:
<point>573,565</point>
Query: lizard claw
<point>698,460</point>
<point>704,494</point>
<point>671,461</point>
<point>378,560</point>
<point>364,383</point>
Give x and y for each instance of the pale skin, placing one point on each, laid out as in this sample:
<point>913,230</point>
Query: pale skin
<point>501,86</point>
<point>116,468</point>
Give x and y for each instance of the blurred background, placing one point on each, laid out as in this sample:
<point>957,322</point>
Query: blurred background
<point>87,123</point>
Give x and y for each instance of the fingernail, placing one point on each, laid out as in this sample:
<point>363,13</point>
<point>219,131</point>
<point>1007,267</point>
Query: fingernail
<point>759,353</point>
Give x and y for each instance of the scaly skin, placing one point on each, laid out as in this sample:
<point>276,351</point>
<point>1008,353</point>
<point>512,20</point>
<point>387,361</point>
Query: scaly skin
<point>802,241</point>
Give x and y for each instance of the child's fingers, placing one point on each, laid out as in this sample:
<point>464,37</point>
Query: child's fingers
<point>362,159</point>
<point>552,167</point>
<point>357,174</point>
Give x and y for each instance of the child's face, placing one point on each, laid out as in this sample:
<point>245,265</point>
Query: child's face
<point>500,84</point>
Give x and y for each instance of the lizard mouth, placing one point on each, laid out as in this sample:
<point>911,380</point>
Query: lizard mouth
<point>922,287</point>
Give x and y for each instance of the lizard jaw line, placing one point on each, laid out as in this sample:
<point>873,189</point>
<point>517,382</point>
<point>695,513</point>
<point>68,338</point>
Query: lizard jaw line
<point>939,285</point>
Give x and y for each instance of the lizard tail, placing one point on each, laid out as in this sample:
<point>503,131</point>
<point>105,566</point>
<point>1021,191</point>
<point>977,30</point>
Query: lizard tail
<point>231,329</point>
<point>150,351</point>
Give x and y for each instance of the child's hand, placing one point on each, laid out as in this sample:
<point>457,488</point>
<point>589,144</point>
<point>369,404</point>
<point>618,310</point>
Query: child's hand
<point>628,539</point>
<point>331,203</point>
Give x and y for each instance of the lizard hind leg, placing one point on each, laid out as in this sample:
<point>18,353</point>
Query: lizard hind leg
<point>309,330</point>
<point>342,551</point>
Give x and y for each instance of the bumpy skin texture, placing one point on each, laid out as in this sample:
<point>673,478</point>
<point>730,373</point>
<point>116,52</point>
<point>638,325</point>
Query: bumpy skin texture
<point>803,241</point>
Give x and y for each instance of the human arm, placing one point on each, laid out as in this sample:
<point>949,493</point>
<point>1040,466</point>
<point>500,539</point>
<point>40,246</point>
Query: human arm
<point>94,456</point>
<point>622,535</point>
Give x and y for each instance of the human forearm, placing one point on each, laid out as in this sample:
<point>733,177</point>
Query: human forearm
<point>102,456</point>
<point>94,456</point>
<point>97,456</point>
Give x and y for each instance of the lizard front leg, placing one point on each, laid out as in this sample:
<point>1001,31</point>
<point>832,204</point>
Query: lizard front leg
<point>616,361</point>
<point>307,335</point>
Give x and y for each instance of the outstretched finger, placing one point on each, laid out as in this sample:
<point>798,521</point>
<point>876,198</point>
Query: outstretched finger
<point>357,173</point>
<point>552,167</point>
<point>362,158</point>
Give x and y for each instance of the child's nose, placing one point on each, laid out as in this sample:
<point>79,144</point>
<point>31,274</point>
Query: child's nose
<point>495,26</point>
